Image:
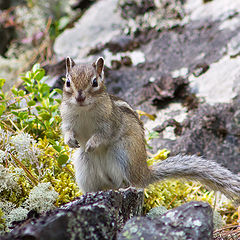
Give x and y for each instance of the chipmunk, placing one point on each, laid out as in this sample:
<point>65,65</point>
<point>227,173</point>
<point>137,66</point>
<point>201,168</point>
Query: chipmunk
<point>110,144</point>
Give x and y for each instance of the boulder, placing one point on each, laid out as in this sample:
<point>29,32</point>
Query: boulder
<point>99,24</point>
<point>192,220</point>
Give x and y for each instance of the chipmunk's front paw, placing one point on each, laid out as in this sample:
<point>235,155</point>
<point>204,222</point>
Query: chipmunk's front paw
<point>71,141</point>
<point>90,146</point>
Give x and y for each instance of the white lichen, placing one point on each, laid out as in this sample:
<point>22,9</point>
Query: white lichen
<point>6,207</point>
<point>17,214</point>
<point>218,221</point>
<point>2,156</point>
<point>41,198</point>
<point>23,145</point>
<point>8,179</point>
<point>157,211</point>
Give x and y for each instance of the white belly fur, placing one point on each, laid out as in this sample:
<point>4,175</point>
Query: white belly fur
<point>102,169</point>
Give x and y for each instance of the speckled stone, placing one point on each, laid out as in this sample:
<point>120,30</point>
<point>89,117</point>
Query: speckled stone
<point>192,220</point>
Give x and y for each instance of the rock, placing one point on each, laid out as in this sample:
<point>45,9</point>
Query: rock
<point>93,216</point>
<point>132,8</point>
<point>7,34</point>
<point>82,4</point>
<point>99,24</point>
<point>132,58</point>
<point>126,60</point>
<point>192,220</point>
<point>115,64</point>
<point>212,132</point>
<point>221,83</point>
<point>161,89</point>
<point>122,43</point>
<point>200,69</point>
<point>217,11</point>
<point>234,46</point>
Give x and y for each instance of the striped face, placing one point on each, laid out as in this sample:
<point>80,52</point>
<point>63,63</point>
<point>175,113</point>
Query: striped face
<point>84,83</point>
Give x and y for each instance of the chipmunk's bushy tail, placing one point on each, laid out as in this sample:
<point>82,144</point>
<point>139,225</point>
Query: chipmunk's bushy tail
<point>196,168</point>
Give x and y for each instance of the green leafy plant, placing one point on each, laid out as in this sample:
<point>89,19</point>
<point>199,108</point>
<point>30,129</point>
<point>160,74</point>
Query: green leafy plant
<point>34,109</point>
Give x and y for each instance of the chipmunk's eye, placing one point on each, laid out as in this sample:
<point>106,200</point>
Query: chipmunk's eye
<point>68,83</point>
<point>94,82</point>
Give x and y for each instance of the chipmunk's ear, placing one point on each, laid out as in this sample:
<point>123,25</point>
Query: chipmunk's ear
<point>99,65</point>
<point>69,64</point>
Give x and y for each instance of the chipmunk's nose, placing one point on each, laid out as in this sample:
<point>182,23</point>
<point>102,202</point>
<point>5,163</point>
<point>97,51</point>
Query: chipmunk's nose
<point>80,98</point>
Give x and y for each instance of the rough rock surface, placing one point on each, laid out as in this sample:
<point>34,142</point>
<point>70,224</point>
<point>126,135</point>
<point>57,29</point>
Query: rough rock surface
<point>98,25</point>
<point>92,216</point>
<point>192,220</point>
<point>209,131</point>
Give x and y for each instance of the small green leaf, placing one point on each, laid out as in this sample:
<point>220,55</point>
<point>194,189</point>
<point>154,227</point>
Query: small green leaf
<point>59,91</point>
<point>26,80</point>
<point>22,115</point>
<point>57,148</point>
<point>15,113</point>
<point>36,67</point>
<point>29,88</point>
<point>2,81</point>
<point>28,75</point>
<point>39,74</point>
<point>51,120</point>
<point>39,108</point>
<point>44,89</point>
<point>53,108</point>
<point>21,93</point>
<point>58,101</point>
<point>31,103</point>
<point>45,116</point>
<point>14,91</point>
<point>2,108</point>
<point>62,159</point>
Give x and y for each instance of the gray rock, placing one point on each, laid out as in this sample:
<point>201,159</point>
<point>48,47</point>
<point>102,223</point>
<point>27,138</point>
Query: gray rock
<point>209,131</point>
<point>7,34</point>
<point>221,83</point>
<point>234,46</point>
<point>132,8</point>
<point>99,24</point>
<point>93,216</point>
<point>192,220</point>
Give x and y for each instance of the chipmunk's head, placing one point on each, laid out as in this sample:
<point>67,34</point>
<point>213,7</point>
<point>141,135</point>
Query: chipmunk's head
<point>84,82</point>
